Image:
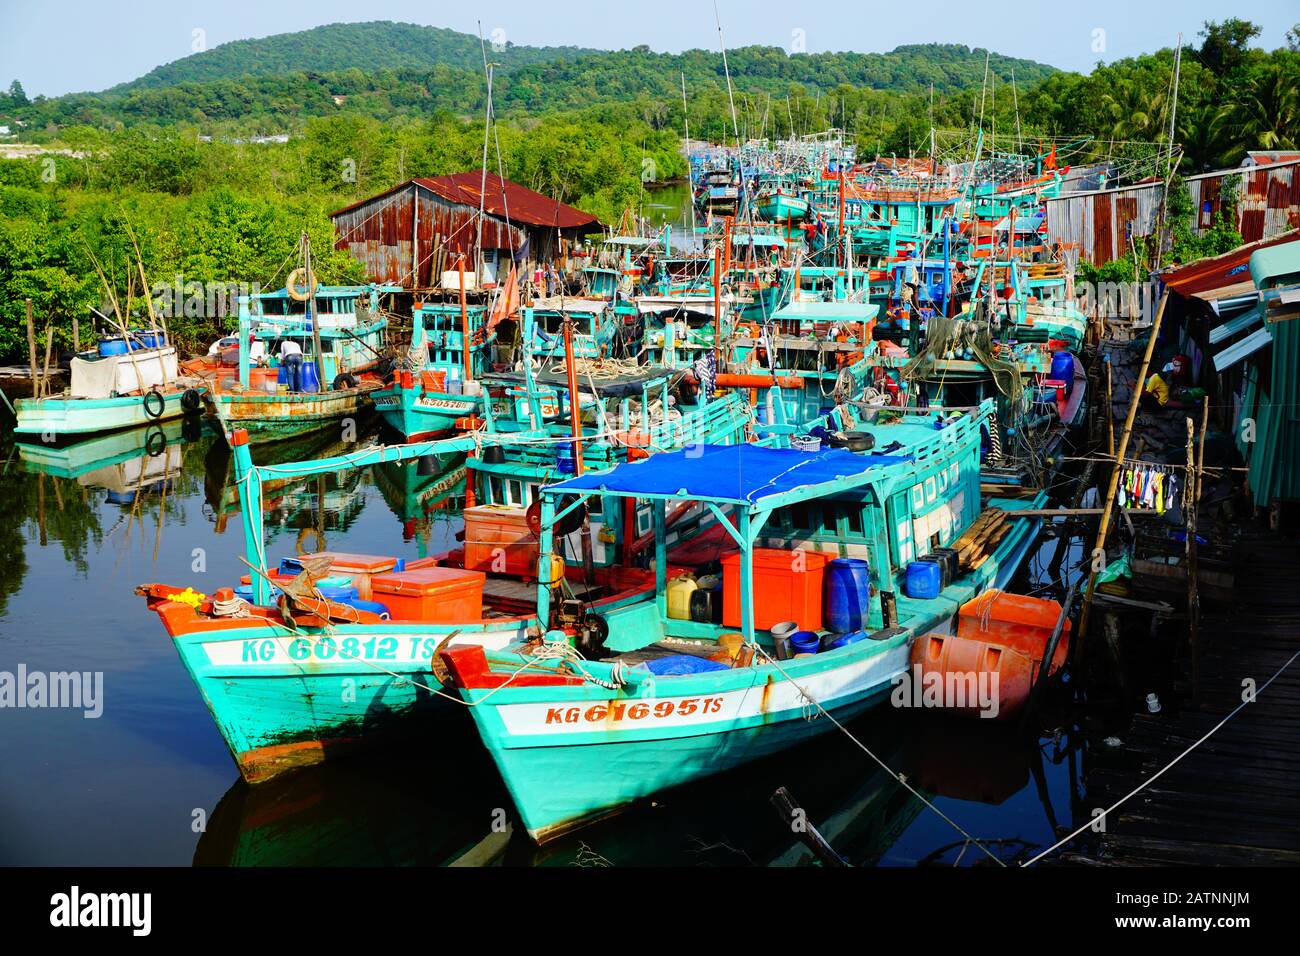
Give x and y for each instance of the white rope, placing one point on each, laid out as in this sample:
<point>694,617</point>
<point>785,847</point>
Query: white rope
<point>758,649</point>
<point>1161,772</point>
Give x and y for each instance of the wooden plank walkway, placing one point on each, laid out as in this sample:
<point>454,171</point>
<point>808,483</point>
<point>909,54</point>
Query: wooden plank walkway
<point>1235,799</point>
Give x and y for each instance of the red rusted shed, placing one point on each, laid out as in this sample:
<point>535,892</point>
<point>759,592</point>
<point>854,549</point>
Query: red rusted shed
<point>415,231</point>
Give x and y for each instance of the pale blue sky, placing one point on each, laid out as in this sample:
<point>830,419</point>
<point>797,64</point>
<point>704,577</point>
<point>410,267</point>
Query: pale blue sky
<point>61,46</point>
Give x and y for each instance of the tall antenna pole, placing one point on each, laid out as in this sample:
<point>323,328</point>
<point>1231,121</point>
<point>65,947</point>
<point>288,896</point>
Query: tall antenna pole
<point>686,119</point>
<point>731,98</point>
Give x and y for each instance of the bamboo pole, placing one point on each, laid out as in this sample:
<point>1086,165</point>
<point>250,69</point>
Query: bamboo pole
<point>1104,524</point>
<point>31,348</point>
<point>1110,413</point>
<point>49,348</point>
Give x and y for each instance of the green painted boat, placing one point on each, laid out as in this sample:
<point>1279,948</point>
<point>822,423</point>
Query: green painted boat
<point>579,739</point>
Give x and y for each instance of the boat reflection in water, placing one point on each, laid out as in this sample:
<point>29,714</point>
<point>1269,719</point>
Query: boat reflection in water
<point>381,808</point>
<point>126,464</point>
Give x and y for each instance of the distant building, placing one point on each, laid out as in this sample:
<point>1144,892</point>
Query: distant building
<point>414,234</point>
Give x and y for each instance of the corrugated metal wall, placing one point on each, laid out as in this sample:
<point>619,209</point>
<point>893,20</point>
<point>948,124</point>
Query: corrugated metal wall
<point>397,244</point>
<point>1094,226</point>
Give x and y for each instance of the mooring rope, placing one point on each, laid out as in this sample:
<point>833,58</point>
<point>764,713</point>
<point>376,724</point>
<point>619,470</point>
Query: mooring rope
<point>758,649</point>
<point>1169,766</point>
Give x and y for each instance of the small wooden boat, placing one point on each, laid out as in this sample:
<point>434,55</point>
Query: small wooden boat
<point>111,390</point>
<point>441,386</point>
<point>341,336</point>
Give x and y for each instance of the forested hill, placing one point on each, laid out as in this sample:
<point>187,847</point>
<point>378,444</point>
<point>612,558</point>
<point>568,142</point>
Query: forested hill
<point>345,46</point>
<point>388,70</point>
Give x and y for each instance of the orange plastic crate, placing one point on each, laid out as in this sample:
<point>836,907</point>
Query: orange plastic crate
<point>497,539</point>
<point>445,595</point>
<point>787,587</point>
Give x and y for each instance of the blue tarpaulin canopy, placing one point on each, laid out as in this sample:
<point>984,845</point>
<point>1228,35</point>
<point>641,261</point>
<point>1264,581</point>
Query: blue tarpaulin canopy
<point>743,474</point>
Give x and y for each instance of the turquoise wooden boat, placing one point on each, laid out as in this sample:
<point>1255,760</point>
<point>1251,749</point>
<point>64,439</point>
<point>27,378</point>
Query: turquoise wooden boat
<point>109,393</point>
<point>578,739</point>
<point>781,207</point>
<point>352,334</point>
<point>438,389</point>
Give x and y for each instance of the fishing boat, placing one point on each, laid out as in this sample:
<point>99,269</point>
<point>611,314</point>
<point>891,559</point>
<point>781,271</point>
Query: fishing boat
<point>290,681</point>
<point>123,462</point>
<point>437,385</point>
<point>340,335</point>
<point>126,382</point>
<point>660,700</point>
<point>777,206</point>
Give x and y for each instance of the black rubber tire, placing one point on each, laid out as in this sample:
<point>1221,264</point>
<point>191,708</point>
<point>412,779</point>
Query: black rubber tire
<point>344,380</point>
<point>162,404</point>
<point>191,400</point>
<point>155,441</point>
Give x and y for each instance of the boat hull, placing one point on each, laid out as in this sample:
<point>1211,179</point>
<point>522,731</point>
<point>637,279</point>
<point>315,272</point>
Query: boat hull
<point>90,416</point>
<point>571,759</point>
<point>417,415</point>
<point>270,416</point>
<point>283,701</point>
<point>780,208</point>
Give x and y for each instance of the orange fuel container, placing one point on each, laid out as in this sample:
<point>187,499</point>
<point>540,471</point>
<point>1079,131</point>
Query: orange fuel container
<point>446,595</point>
<point>787,587</point>
<point>434,381</point>
<point>497,539</point>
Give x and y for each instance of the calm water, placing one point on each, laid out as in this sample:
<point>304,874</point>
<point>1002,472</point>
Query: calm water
<point>150,781</point>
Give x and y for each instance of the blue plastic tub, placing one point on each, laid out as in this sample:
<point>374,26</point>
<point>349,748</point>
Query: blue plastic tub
<point>805,642</point>
<point>924,579</point>
<point>847,598</point>
<point>112,346</point>
<point>374,607</point>
<point>833,641</point>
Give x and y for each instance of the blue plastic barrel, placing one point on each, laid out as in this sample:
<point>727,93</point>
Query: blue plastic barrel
<point>847,598</point>
<point>282,375</point>
<point>310,380</point>
<point>805,642</point>
<point>924,579</point>
<point>112,346</point>
<point>146,339</point>
<point>564,458</point>
<point>1063,369</point>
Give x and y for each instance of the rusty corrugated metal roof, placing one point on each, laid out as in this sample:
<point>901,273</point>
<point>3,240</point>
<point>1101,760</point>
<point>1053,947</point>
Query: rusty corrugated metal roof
<point>1211,278</point>
<point>502,199</point>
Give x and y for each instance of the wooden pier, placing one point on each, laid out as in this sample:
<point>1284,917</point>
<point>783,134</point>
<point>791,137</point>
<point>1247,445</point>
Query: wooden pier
<point>1235,799</point>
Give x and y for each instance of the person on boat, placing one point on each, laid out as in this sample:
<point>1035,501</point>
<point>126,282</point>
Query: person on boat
<point>291,359</point>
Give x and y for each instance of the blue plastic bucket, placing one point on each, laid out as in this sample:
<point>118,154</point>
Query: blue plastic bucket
<point>805,642</point>
<point>112,346</point>
<point>924,579</point>
<point>847,598</point>
<point>374,607</point>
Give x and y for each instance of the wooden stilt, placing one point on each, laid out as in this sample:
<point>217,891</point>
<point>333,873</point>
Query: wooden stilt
<point>1109,504</point>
